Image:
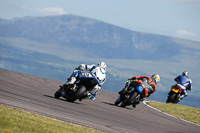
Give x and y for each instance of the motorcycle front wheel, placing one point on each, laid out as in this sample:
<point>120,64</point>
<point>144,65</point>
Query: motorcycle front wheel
<point>131,98</point>
<point>57,93</point>
<point>118,101</point>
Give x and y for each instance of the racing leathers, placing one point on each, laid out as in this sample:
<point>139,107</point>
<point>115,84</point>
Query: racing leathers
<point>185,83</point>
<point>146,82</point>
<point>93,71</point>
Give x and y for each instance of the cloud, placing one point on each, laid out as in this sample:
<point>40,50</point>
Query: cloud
<point>43,11</point>
<point>186,33</point>
<point>52,11</point>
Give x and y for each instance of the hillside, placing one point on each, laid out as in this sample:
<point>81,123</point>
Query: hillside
<point>92,35</point>
<point>53,46</point>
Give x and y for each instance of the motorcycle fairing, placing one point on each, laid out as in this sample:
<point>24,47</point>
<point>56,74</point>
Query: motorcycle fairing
<point>88,80</point>
<point>177,88</point>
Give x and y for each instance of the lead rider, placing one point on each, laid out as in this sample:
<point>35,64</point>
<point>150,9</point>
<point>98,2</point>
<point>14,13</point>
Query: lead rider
<point>98,71</point>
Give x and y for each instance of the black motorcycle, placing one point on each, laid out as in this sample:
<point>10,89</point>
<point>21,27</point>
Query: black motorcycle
<point>132,97</point>
<point>175,94</point>
<point>79,90</point>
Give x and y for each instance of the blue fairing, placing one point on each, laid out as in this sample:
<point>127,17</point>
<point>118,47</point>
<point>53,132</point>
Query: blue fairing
<point>140,89</point>
<point>93,79</point>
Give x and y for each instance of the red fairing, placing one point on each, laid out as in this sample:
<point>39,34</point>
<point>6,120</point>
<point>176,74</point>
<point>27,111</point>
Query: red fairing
<point>143,76</point>
<point>180,89</point>
<point>135,77</point>
<point>139,81</point>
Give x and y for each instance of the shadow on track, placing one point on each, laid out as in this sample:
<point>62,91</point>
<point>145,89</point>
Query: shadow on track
<point>108,103</point>
<point>116,106</point>
<point>62,99</point>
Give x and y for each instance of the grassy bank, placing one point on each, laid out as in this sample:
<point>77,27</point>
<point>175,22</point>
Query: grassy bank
<point>184,112</point>
<point>17,121</point>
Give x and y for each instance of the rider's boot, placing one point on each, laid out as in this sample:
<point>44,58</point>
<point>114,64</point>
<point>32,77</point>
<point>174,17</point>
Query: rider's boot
<point>92,96</point>
<point>71,81</point>
<point>88,95</point>
<point>182,96</point>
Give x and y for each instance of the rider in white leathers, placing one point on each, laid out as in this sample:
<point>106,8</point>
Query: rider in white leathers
<point>98,71</point>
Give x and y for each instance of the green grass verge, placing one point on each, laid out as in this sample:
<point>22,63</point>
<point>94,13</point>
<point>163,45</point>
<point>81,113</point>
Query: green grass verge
<point>17,121</point>
<point>184,112</point>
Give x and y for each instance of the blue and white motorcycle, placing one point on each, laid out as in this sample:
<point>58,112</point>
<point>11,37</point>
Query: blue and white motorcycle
<point>84,84</point>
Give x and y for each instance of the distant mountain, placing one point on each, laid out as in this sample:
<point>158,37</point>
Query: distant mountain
<point>53,46</point>
<point>99,38</point>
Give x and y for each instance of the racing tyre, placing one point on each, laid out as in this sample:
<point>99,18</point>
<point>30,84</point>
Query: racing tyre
<point>131,98</point>
<point>77,94</point>
<point>177,98</point>
<point>118,101</point>
<point>170,98</point>
<point>173,98</point>
<point>57,93</point>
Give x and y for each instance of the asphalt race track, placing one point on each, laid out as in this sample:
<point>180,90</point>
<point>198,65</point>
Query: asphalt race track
<point>35,94</point>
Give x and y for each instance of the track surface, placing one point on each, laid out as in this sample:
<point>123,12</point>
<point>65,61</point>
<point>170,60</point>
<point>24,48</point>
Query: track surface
<point>35,94</point>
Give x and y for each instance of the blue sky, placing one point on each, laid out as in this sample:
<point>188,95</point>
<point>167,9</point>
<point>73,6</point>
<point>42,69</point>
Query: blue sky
<point>177,18</point>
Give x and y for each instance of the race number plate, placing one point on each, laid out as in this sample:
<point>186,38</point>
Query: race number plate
<point>175,90</point>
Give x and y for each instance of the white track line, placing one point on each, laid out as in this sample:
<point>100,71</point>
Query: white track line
<point>146,103</point>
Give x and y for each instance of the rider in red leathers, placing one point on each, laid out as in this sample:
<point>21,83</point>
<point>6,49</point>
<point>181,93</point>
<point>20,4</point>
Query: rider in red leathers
<point>148,83</point>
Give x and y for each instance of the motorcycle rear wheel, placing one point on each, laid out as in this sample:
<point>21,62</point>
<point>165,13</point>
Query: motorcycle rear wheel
<point>77,94</point>
<point>173,98</point>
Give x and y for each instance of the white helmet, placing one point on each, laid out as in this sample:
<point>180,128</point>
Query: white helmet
<point>103,66</point>
<point>185,73</point>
